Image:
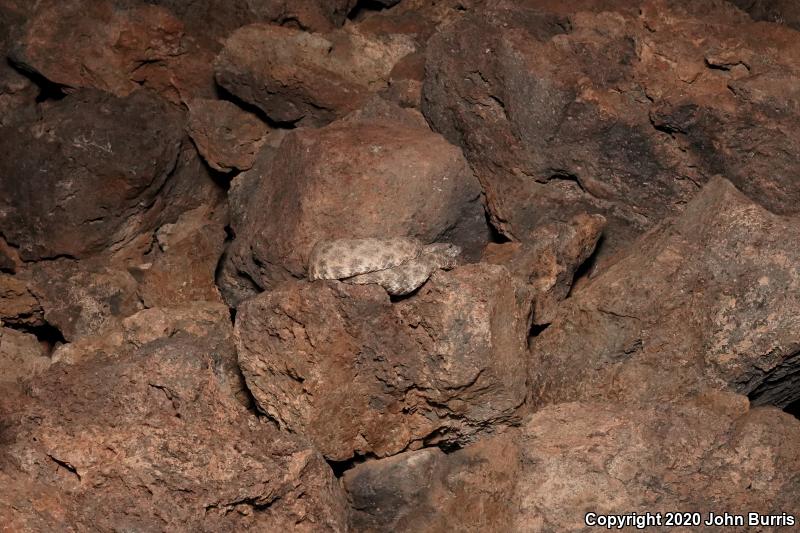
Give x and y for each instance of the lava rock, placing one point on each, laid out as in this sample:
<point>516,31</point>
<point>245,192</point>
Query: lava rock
<point>152,441</point>
<point>378,178</point>
<point>704,301</point>
<point>361,376</point>
<point>305,78</point>
<point>614,108</point>
<point>95,172</point>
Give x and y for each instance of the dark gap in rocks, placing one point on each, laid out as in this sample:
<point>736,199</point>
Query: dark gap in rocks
<point>224,94</point>
<point>586,270</point>
<point>363,7</point>
<point>495,236</point>
<point>537,329</point>
<point>232,311</point>
<point>340,467</point>
<point>793,409</point>
<point>779,387</point>
<point>47,334</point>
<point>48,90</point>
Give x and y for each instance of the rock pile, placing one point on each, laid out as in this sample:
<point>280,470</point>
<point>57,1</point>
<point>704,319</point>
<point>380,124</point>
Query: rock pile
<point>595,203</point>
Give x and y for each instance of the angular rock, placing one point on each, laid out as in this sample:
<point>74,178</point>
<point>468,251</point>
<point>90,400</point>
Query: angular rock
<point>154,441</point>
<point>227,137</point>
<point>547,265</point>
<point>615,107</point>
<point>572,459</point>
<point>304,78</point>
<point>706,301</point>
<point>82,298</point>
<point>95,172</point>
<point>218,18</point>
<point>181,266</point>
<point>780,11</point>
<point>349,180</point>
<point>426,490</point>
<point>362,376</point>
<point>199,326</point>
<point>78,44</point>
<point>18,305</point>
<point>22,356</point>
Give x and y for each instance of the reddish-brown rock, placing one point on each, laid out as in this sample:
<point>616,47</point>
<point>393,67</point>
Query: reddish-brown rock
<point>21,355</point>
<point>307,78</point>
<point>181,264</point>
<point>227,137</point>
<point>94,172</point>
<point>18,305</point>
<point>572,459</point>
<point>154,441</point>
<point>615,107</point>
<point>706,301</point>
<point>780,11</point>
<point>374,178</point>
<point>362,376</point>
<point>545,267</point>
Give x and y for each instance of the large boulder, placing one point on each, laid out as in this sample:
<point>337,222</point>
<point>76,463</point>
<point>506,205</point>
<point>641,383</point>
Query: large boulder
<point>95,172</point>
<point>371,178</point>
<point>708,300</point>
<point>305,78</point>
<point>572,462</point>
<point>780,11</point>
<point>614,107</point>
<point>227,137</point>
<point>152,441</point>
<point>360,375</point>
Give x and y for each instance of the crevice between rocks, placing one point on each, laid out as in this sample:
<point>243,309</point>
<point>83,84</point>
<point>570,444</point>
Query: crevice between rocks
<point>779,387</point>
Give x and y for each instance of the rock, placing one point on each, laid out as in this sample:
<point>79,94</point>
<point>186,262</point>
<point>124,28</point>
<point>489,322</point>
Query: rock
<point>152,441</point>
<point>362,376</point>
<point>581,458</point>
<point>227,137</point>
<point>614,108</point>
<point>705,301</point>
<point>78,44</point>
<point>546,266</point>
<point>180,267</point>
<point>304,78</point>
<point>18,305</point>
<point>83,298</point>
<point>218,18</point>
<point>780,11</point>
<point>22,356</point>
<point>572,459</point>
<point>351,180</point>
<point>95,172</point>
<point>426,490</point>
<point>199,326</point>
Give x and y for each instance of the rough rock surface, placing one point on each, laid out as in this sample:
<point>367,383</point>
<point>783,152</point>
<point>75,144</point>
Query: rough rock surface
<point>80,44</point>
<point>306,78</point>
<point>362,376</point>
<point>615,107</point>
<point>227,137</point>
<point>371,178</point>
<point>546,266</point>
<point>572,459</point>
<point>781,11</point>
<point>151,442</point>
<point>708,300</point>
<point>21,355</point>
<point>97,171</point>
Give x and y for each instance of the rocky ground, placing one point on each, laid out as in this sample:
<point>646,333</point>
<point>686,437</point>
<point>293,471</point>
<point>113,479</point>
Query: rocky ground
<point>621,333</point>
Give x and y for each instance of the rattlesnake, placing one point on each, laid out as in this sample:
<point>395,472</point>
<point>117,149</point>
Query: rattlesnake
<point>400,265</point>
